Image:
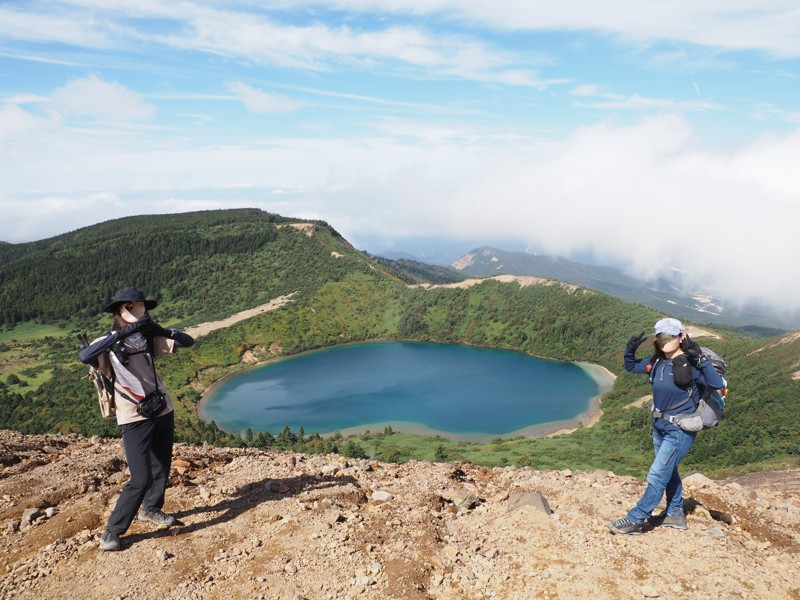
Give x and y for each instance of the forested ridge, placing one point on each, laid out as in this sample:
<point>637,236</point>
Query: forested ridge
<point>202,265</point>
<point>345,296</point>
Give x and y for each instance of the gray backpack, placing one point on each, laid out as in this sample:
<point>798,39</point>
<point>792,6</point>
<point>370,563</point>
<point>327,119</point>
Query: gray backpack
<point>711,407</point>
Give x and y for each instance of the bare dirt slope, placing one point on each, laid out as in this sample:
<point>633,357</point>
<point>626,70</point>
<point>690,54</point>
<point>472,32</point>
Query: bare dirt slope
<point>275,525</point>
<point>206,328</point>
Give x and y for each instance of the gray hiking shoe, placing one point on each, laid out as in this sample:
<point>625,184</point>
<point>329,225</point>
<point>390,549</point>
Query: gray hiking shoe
<point>625,526</point>
<point>156,516</point>
<point>677,521</point>
<point>109,542</point>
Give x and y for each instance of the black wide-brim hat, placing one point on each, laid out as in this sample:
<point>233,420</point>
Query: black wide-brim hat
<point>129,294</point>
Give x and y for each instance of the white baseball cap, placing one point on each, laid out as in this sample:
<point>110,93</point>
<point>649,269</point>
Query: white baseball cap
<point>669,326</point>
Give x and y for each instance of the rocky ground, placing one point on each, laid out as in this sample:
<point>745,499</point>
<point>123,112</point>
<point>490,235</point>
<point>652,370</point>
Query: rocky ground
<point>258,524</point>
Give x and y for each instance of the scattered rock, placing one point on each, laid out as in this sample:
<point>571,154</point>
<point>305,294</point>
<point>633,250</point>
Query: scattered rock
<point>117,478</point>
<point>648,591</point>
<point>29,515</point>
<point>461,498</point>
<point>521,499</point>
<point>333,515</point>
<point>452,527</point>
<point>381,496</point>
<point>698,481</point>
<point>499,497</point>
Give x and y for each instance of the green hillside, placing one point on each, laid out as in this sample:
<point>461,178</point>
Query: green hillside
<point>202,266</point>
<point>344,296</point>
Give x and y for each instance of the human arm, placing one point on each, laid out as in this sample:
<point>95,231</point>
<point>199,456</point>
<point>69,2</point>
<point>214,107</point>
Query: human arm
<point>631,364</point>
<point>90,353</point>
<point>181,339</point>
<point>710,376</point>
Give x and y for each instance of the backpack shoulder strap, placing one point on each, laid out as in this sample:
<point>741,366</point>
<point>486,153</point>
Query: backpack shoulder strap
<point>653,364</point>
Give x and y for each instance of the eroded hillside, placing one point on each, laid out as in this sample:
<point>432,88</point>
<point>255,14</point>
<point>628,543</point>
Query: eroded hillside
<point>276,525</point>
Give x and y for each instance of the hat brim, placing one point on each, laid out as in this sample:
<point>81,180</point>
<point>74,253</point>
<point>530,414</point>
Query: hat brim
<point>112,308</point>
<point>670,332</point>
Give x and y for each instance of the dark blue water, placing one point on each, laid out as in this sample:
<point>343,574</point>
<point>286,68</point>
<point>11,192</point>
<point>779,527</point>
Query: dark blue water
<point>448,388</point>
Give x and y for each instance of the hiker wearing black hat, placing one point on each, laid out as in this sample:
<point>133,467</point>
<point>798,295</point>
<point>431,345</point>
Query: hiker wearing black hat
<point>144,408</point>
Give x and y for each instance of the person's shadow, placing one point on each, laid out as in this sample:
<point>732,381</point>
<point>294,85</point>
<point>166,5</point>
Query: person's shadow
<point>246,497</point>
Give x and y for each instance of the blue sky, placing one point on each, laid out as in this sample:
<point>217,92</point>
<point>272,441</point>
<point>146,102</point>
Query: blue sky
<point>649,134</point>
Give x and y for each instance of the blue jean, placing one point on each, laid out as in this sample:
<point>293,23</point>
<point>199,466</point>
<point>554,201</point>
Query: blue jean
<point>670,448</point>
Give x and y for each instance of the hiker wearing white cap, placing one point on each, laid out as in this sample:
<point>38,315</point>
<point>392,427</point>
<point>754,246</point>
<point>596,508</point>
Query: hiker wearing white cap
<point>676,368</point>
<point>144,409</point>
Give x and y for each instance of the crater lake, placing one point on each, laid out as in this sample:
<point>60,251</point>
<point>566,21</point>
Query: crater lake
<point>458,392</point>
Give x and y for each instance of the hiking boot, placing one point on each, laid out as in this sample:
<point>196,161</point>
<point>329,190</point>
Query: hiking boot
<point>677,521</point>
<point>625,526</point>
<point>156,516</point>
<point>109,542</point>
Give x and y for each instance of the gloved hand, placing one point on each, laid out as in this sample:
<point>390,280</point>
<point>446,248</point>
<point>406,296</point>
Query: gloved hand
<point>636,341</point>
<point>157,330</point>
<point>143,324</point>
<point>180,337</point>
<point>691,349</point>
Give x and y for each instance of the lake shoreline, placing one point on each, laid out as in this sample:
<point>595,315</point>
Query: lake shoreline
<point>603,378</point>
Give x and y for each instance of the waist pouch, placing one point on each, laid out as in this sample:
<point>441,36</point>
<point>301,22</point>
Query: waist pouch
<point>707,415</point>
<point>152,405</point>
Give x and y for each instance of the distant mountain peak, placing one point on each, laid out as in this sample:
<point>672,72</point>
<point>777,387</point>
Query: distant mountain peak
<point>667,293</point>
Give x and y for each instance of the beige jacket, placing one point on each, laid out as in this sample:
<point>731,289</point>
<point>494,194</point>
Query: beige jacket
<point>138,377</point>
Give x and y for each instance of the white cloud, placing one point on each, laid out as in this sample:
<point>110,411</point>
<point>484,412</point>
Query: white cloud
<point>768,25</point>
<point>614,101</point>
<point>594,90</point>
<point>322,47</point>
<point>15,120</point>
<point>768,112</point>
<point>638,102</point>
<point>257,101</point>
<point>250,34</point>
<point>55,214</point>
<point>47,23</point>
<point>93,97</point>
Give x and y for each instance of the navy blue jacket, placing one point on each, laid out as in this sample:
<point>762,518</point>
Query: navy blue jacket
<point>665,393</point>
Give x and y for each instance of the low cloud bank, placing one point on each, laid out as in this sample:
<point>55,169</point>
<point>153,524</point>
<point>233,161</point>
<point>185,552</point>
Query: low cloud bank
<point>647,195</point>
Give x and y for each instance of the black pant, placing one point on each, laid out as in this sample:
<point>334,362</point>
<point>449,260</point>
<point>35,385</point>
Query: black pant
<point>148,450</point>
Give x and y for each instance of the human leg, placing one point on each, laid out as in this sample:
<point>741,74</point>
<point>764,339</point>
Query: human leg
<point>160,457</point>
<point>136,438</point>
<point>671,446</point>
<point>674,491</point>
